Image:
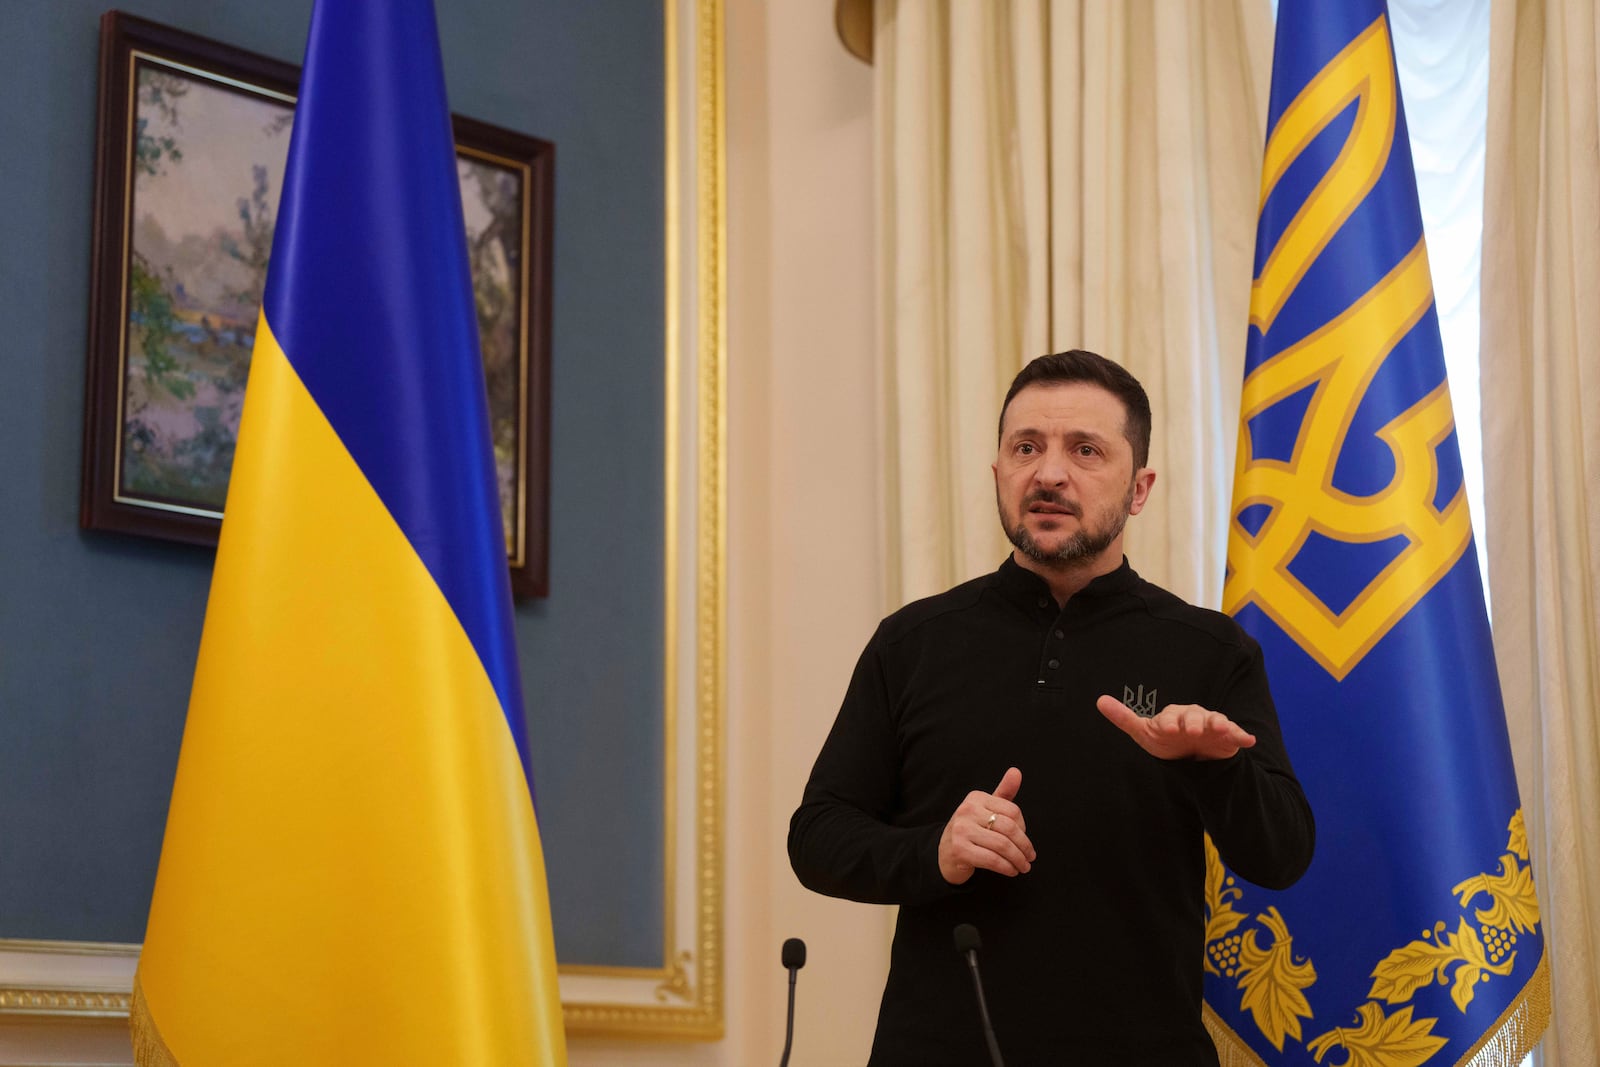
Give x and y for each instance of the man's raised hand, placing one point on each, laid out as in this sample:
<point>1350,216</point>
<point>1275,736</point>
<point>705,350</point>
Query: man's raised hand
<point>1180,731</point>
<point>987,831</point>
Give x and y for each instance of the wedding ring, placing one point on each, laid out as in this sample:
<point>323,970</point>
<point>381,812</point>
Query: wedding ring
<point>990,824</point>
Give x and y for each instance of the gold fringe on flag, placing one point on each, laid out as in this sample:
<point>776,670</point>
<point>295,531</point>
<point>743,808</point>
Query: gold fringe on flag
<point>1521,1025</point>
<point>148,1048</point>
<point>1231,1049</point>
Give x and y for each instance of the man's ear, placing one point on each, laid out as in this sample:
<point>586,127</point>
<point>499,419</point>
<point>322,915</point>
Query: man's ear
<point>1143,479</point>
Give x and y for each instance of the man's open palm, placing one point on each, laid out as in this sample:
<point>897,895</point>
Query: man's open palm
<point>1180,731</point>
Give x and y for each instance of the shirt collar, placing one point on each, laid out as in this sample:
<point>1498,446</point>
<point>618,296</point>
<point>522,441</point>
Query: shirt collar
<point>1030,592</point>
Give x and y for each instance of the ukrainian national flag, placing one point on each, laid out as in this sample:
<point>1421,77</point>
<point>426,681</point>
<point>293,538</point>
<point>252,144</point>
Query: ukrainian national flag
<point>352,869</point>
<point>1415,937</point>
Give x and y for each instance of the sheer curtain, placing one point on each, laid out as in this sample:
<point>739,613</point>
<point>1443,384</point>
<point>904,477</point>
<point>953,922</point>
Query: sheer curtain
<point>1541,408</point>
<point>1061,174</point>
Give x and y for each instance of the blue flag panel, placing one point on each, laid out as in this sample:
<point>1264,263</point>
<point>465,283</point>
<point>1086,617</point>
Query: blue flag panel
<point>1415,937</point>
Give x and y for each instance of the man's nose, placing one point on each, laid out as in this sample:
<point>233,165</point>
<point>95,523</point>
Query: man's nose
<point>1052,469</point>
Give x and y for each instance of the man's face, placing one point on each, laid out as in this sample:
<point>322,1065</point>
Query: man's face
<point>1064,479</point>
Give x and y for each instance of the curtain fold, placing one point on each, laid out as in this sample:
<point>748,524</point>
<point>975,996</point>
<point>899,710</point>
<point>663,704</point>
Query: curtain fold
<point>1541,413</point>
<point>1063,174</point>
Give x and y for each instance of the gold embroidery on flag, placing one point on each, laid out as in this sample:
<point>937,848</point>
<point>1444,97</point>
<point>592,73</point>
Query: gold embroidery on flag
<point>1271,980</point>
<point>1514,910</point>
<point>1507,1042</point>
<point>1465,960</point>
<point>1361,74</point>
<point>1417,963</point>
<point>1340,360</point>
<point>1382,1040</point>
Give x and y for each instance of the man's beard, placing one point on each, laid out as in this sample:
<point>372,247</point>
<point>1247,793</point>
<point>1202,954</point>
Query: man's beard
<point>1085,544</point>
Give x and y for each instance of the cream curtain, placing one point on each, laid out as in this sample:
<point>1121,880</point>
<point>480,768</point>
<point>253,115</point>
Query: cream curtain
<point>1063,174</point>
<point>1541,411</point>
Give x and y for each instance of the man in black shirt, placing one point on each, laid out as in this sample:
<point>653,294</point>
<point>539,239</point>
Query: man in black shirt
<point>1139,723</point>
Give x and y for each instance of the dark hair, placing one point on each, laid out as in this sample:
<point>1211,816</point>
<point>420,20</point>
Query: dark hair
<point>1080,366</point>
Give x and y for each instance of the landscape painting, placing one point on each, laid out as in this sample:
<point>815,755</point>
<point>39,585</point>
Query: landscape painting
<point>200,175</point>
<point>208,168</point>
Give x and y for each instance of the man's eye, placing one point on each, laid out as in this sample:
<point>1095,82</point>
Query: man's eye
<point>1025,450</point>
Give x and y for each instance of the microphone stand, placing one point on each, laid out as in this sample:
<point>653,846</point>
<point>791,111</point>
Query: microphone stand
<point>788,1026</point>
<point>967,943</point>
<point>983,1011</point>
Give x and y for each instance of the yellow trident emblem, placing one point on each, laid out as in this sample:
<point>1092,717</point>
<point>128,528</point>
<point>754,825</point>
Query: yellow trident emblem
<point>1338,362</point>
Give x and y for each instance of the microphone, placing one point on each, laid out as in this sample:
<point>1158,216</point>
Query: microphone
<point>967,943</point>
<point>794,958</point>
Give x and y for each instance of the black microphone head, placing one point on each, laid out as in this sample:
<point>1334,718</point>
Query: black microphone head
<point>794,954</point>
<point>967,939</point>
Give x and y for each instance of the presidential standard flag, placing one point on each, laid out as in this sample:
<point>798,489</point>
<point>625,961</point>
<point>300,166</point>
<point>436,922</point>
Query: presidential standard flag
<point>351,871</point>
<point>1415,937</point>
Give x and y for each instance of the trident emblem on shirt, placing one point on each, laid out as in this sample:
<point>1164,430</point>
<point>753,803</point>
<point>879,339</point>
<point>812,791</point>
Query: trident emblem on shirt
<point>1139,702</point>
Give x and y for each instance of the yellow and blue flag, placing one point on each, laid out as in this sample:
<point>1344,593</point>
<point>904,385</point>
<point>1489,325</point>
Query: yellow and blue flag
<point>1415,937</point>
<point>352,870</point>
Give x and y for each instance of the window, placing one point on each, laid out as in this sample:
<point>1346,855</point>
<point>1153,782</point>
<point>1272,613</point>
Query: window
<point>1442,52</point>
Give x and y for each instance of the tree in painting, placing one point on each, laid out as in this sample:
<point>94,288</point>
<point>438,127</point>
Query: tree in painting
<point>206,158</point>
<point>207,161</point>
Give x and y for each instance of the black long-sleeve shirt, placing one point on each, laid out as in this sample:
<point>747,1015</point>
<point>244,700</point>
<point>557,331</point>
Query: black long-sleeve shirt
<point>1094,956</point>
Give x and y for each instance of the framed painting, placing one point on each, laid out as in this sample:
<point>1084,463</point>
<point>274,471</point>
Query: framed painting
<point>192,141</point>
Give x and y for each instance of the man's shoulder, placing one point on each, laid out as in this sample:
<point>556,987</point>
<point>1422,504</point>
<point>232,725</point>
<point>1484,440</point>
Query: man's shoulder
<point>1169,608</point>
<point>947,606</point>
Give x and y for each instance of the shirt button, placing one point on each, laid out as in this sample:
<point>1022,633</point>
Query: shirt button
<point>1054,664</point>
<point>1044,602</point>
<point>1060,634</point>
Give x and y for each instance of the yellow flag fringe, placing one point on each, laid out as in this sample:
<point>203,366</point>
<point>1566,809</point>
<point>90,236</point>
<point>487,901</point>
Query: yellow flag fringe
<point>1519,1028</point>
<point>149,1050</point>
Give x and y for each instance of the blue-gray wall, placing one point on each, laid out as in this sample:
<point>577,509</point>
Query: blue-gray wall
<point>98,632</point>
